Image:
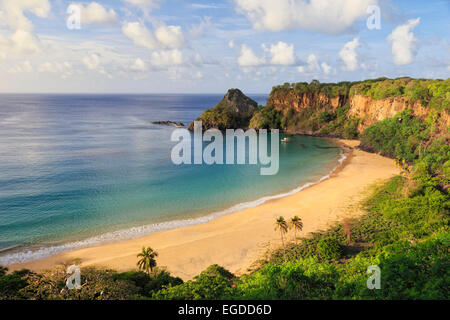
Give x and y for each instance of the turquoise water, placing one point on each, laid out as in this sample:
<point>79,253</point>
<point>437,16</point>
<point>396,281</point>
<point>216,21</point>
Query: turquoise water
<point>79,170</point>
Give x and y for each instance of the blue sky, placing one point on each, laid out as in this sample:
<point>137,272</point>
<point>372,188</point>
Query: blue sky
<point>180,46</point>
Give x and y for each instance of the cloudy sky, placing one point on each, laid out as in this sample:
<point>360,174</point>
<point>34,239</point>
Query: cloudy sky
<point>181,46</point>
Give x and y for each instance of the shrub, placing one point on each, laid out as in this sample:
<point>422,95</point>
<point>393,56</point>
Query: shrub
<point>266,118</point>
<point>148,284</point>
<point>213,283</point>
<point>398,137</point>
<point>329,249</point>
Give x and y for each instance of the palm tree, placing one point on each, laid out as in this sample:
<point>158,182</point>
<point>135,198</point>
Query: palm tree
<point>282,227</point>
<point>297,224</point>
<point>147,259</point>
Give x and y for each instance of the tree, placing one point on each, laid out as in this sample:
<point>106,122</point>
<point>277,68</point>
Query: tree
<point>297,225</point>
<point>147,259</point>
<point>282,227</point>
<point>3,271</point>
<point>347,225</point>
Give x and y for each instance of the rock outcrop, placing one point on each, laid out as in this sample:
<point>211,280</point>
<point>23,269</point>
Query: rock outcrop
<point>168,122</point>
<point>232,112</point>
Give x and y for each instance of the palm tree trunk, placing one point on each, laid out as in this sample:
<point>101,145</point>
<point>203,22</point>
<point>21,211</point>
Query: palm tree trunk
<point>284,248</point>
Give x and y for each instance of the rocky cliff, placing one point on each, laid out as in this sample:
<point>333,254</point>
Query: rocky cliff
<point>233,111</point>
<point>358,106</point>
<point>291,100</point>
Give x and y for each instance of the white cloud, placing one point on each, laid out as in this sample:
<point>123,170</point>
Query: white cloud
<point>349,55</point>
<point>313,66</point>
<point>170,37</point>
<point>92,61</point>
<point>139,65</point>
<point>25,66</point>
<point>313,63</point>
<point>165,37</point>
<point>329,16</point>
<point>145,4</point>
<point>200,29</point>
<point>325,68</point>
<point>197,75</point>
<point>95,13</point>
<point>64,69</point>
<point>404,44</point>
<point>248,58</point>
<point>166,58</point>
<point>14,12</point>
<point>282,54</point>
<point>23,41</point>
<point>13,16</point>
<point>140,35</point>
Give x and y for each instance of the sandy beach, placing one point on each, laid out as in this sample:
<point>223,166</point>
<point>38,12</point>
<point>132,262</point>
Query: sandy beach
<point>237,240</point>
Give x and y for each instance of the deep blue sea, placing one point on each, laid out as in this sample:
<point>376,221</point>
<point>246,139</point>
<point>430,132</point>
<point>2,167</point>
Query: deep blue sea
<point>80,170</point>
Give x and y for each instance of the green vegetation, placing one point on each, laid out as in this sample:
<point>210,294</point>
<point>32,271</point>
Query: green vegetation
<point>432,93</point>
<point>329,249</point>
<point>330,89</point>
<point>266,118</point>
<point>221,117</point>
<point>213,283</point>
<point>234,111</point>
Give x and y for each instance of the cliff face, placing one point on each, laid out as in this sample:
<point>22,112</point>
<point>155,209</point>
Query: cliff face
<point>284,102</point>
<point>371,111</point>
<point>366,109</point>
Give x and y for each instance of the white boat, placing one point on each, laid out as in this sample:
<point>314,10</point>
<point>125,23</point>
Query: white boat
<point>285,140</point>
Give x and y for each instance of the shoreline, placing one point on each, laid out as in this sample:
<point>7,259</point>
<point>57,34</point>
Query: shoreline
<point>236,240</point>
<point>20,255</point>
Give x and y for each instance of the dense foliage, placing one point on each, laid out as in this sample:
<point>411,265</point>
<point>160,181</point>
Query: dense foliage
<point>232,112</point>
<point>220,117</point>
<point>266,118</point>
<point>330,89</point>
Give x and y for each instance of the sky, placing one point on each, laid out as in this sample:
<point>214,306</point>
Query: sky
<point>180,46</point>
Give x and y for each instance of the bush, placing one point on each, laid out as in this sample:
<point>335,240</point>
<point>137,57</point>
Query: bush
<point>11,284</point>
<point>148,284</point>
<point>329,249</point>
<point>213,283</point>
<point>399,137</point>
<point>266,118</point>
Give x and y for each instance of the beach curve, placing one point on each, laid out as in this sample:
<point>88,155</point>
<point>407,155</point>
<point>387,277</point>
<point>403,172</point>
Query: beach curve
<point>236,240</point>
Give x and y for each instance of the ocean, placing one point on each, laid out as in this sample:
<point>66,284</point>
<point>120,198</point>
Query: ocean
<point>81,170</point>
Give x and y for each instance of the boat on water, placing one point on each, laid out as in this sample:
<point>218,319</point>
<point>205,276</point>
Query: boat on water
<point>285,140</point>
